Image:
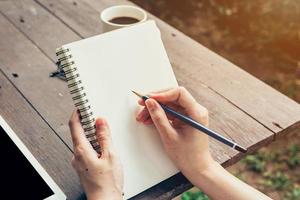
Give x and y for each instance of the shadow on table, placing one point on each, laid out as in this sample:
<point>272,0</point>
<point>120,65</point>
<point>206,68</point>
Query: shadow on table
<point>82,197</point>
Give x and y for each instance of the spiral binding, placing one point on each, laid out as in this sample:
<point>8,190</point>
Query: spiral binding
<point>78,95</point>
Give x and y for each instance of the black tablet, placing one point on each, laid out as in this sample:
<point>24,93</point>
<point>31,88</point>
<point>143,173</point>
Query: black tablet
<point>22,176</point>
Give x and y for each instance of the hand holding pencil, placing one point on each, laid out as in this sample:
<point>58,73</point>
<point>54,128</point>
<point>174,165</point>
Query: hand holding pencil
<point>185,145</point>
<point>180,117</point>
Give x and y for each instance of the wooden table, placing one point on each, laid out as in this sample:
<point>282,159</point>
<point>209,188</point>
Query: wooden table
<point>38,107</point>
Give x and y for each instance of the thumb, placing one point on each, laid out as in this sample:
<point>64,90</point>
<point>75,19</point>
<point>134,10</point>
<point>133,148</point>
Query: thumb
<point>159,118</point>
<point>103,136</point>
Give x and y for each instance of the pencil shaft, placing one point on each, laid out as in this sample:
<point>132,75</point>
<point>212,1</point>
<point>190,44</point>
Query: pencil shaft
<point>203,128</point>
<point>198,126</point>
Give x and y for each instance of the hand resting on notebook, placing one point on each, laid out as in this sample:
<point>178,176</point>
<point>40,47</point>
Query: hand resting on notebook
<point>101,176</point>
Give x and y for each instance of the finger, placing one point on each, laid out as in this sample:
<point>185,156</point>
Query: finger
<point>179,95</point>
<point>82,147</point>
<point>143,115</point>
<point>162,90</point>
<point>201,113</point>
<point>148,121</point>
<point>169,104</point>
<point>170,117</point>
<point>77,132</point>
<point>177,126</point>
<point>141,102</point>
<point>103,136</point>
<point>159,118</point>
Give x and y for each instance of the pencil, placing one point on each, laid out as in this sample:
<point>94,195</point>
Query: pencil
<point>197,125</point>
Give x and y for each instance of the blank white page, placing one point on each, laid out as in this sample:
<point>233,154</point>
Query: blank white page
<point>110,66</point>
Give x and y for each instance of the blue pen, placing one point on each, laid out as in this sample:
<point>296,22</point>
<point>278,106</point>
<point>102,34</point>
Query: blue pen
<point>197,125</point>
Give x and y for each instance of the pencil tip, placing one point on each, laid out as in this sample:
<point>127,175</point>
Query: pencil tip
<point>137,94</point>
<point>241,149</point>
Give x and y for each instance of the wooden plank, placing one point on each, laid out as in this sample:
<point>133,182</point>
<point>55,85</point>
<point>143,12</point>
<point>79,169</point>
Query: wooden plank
<point>264,104</point>
<point>38,24</point>
<point>49,96</point>
<point>48,149</point>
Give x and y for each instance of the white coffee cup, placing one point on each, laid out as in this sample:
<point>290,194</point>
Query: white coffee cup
<point>121,11</point>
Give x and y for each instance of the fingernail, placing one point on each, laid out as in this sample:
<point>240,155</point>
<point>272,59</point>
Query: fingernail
<point>147,122</point>
<point>99,123</point>
<point>140,101</point>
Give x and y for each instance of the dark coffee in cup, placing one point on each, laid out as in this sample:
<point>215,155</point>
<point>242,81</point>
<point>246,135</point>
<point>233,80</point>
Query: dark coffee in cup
<point>124,20</point>
<point>121,16</point>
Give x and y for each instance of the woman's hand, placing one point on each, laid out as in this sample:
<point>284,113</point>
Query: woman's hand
<point>100,175</point>
<point>186,146</point>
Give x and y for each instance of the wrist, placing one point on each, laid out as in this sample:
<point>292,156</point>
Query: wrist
<point>201,171</point>
<point>211,168</point>
<point>213,171</point>
<point>105,197</point>
<point>202,163</point>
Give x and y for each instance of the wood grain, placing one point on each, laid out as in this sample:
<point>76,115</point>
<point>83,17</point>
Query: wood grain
<point>39,138</point>
<point>49,96</point>
<point>26,16</point>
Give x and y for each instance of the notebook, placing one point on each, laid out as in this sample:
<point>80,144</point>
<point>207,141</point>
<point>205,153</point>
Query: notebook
<point>101,71</point>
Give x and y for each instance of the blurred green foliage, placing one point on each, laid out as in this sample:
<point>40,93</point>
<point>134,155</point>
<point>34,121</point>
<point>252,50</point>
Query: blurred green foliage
<point>255,162</point>
<point>194,195</point>
<point>279,181</point>
<point>294,194</point>
<point>294,156</point>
